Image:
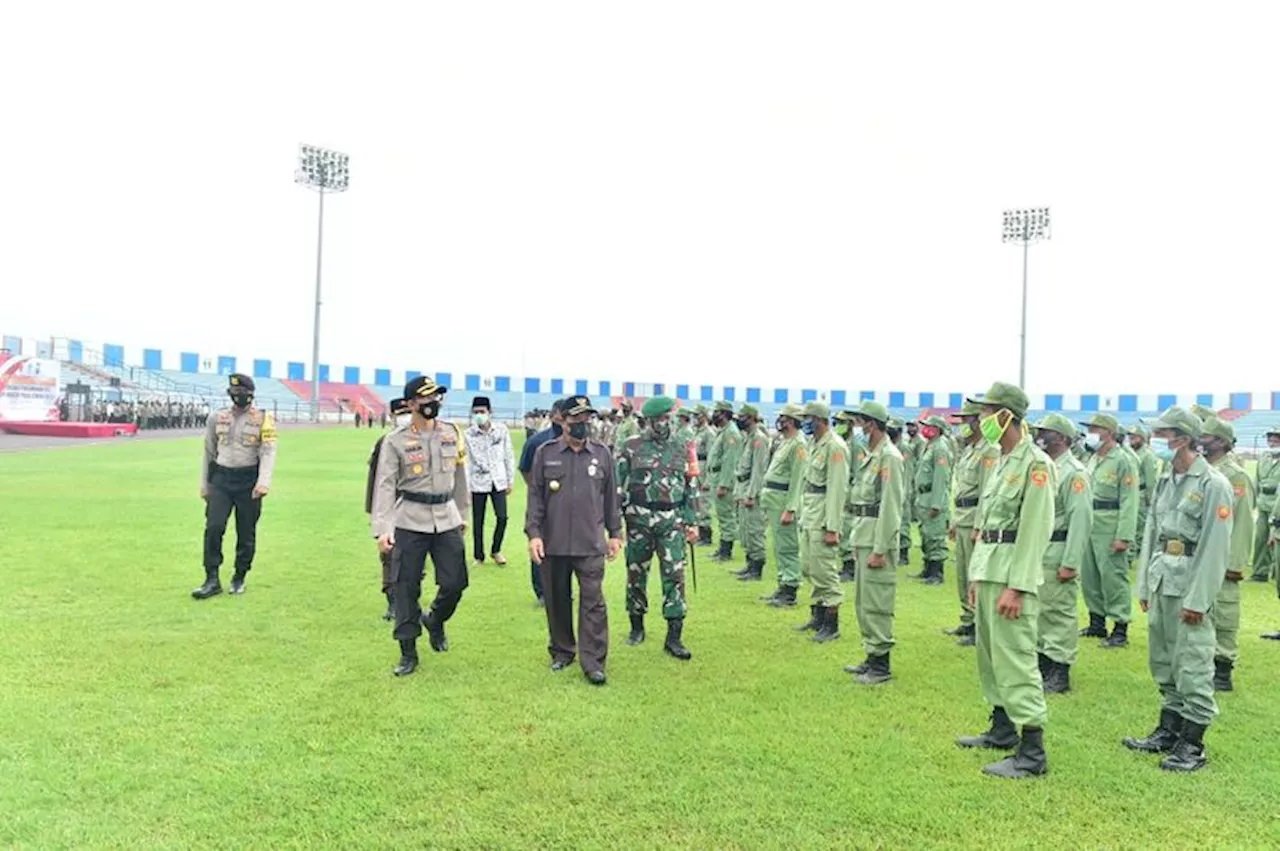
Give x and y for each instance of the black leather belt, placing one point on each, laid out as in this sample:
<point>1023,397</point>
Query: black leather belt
<point>1275,521</point>
<point>816,488</point>
<point>716,469</point>
<point>702,456</point>
<point>1269,490</point>
<point>1106,505</point>
<point>425,498</point>
<point>659,506</point>
<point>1058,537</point>
<point>745,478</point>
<point>966,502</point>
<point>999,536</point>
<point>777,486</point>
<point>865,510</point>
<point>924,489</point>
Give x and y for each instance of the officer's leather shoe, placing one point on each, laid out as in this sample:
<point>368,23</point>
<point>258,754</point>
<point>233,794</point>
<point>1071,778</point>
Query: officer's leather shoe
<point>877,671</point>
<point>785,598</point>
<point>962,629</point>
<point>1119,637</point>
<point>237,584</point>
<point>1029,761</point>
<point>1222,674</point>
<point>1001,736</point>
<point>596,678</point>
<point>211,588</point>
<point>815,620</point>
<point>1188,754</point>
<point>637,630</point>
<point>1271,636</point>
<point>1162,738</point>
<point>390,613</point>
<point>1058,678</point>
<point>673,645</point>
<point>829,630</point>
<point>1097,627</point>
<point>408,658</point>
<point>435,632</point>
<point>560,664</point>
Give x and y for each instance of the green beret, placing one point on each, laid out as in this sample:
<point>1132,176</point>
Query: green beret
<point>657,406</point>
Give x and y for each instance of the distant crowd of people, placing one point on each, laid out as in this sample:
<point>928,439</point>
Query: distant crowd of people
<point>146,414</point>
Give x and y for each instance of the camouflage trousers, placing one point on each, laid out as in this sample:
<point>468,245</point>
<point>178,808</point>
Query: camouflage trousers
<point>657,533</point>
<point>704,514</point>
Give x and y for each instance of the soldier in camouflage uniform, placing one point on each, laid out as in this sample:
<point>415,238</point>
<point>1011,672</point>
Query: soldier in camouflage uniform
<point>747,486</point>
<point>722,469</point>
<point>703,435</point>
<point>660,501</point>
<point>626,429</point>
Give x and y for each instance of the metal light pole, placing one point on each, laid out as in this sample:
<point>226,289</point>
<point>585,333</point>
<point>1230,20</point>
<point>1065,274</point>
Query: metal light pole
<point>324,171</point>
<point>1025,226</point>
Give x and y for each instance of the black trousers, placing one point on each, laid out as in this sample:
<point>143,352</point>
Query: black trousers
<point>592,644</point>
<point>477,521</point>
<point>231,490</point>
<point>408,563</point>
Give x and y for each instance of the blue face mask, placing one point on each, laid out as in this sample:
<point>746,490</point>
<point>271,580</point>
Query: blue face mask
<point>1160,446</point>
<point>807,427</point>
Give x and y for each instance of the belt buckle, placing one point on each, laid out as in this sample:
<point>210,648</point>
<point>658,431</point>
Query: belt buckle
<point>1174,548</point>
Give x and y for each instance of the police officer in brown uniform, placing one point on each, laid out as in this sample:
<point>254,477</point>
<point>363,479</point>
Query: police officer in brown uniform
<point>419,501</point>
<point>573,505</point>
<point>398,410</point>
<point>239,456</point>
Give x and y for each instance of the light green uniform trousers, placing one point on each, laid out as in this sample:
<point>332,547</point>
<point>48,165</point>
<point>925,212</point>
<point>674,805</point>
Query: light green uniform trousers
<point>1181,659</point>
<point>821,568</point>
<point>875,597</point>
<point>1059,632</point>
<point>933,535</point>
<point>1262,555</point>
<point>1226,620</point>
<point>846,536</point>
<point>1105,580</point>
<point>727,516</point>
<point>751,531</point>
<point>964,552</point>
<point>1007,665</point>
<point>786,539</point>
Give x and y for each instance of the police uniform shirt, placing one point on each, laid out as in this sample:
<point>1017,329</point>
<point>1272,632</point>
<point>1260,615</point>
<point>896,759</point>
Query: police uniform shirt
<point>572,497</point>
<point>236,439</point>
<point>429,462</point>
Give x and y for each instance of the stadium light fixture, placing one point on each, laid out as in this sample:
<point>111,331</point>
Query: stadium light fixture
<point>1025,227</point>
<point>324,171</point>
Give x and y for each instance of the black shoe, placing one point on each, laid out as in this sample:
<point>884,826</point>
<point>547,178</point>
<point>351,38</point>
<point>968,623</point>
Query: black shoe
<point>596,678</point>
<point>211,588</point>
<point>770,597</point>
<point>237,584</point>
<point>754,571</point>
<point>673,645</point>
<point>1162,738</point>
<point>560,664</point>
<point>859,668</point>
<point>637,630</point>
<point>435,632</point>
<point>1119,637</point>
<point>962,629</point>
<point>1260,577</point>
<point>1058,680</point>
<point>1271,636</point>
<point>1044,662</point>
<point>1001,736</point>
<point>1029,761</point>
<point>408,658</point>
<point>1188,754</point>
<point>785,598</point>
<point>849,571</point>
<point>725,553</point>
<point>1222,674</point>
<point>829,629</point>
<point>390,613</point>
<point>876,672</point>
<point>966,640</point>
<point>904,555</point>
<point>815,620</point>
<point>1097,627</point>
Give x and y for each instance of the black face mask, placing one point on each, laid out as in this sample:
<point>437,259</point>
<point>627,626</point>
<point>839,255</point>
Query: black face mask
<point>744,424</point>
<point>578,431</point>
<point>241,400</point>
<point>430,409</point>
<point>661,430</point>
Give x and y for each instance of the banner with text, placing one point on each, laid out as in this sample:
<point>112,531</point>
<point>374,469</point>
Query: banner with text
<point>29,389</point>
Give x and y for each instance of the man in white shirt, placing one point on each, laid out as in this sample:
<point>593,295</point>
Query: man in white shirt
<point>491,468</point>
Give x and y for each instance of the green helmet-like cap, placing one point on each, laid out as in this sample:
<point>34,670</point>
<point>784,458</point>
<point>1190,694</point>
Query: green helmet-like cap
<point>873,410</point>
<point>821,410</point>
<point>1219,428</point>
<point>1002,395</point>
<point>1060,424</point>
<point>1180,420</point>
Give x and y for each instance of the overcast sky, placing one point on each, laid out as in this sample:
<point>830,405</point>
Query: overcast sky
<point>782,194</point>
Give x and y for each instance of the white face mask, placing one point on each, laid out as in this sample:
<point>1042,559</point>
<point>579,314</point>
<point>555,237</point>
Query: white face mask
<point>402,420</point>
<point>1093,440</point>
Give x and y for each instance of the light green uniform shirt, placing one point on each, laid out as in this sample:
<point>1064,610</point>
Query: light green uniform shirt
<point>1018,499</point>
<point>977,460</point>
<point>1241,549</point>
<point>753,461</point>
<point>826,480</point>
<point>1114,478</point>
<point>879,483</point>
<point>786,469</point>
<point>1072,514</point>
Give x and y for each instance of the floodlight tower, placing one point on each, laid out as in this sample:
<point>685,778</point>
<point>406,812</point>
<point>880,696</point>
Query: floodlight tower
<point>324,171</point>
<point>1025,226</point>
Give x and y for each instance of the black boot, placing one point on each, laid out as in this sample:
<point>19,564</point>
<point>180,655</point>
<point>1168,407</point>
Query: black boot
<point>962,629</point>
<point>1002,735</point>
<point>1058,680</point>
<point>815,620</point>
<point>673,645</point>
<point>237,582</point>
<point>1029,761</point>
<point>211,587</point>
<point>637,630</point>
<point>753,572</point>
<point>848,572</point>
<point>1222,674</point>
<point>1162,738</point>
<point>785,598</point>
<point>829,630</point>
<point>935,573</point>
<point>1044,663</point>
<point>1119,636</point>
<point>904,555</point>
<point>859,668</point>
<point>390,613</point>
<point>704,536</point>
<point>925,570</point>
<point>408,658</point>
<point>876,672</point>
<point>1188,754</point>
<point>1097,627</point>
<point>435,632</point>
<point>725,552</point>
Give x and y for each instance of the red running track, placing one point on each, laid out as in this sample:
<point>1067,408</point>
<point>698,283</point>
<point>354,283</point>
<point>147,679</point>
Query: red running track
<point>81,430</point>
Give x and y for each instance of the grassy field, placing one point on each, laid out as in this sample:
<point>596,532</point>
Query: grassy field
<point>132,716</point>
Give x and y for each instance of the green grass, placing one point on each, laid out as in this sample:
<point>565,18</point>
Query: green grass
<point>132,716</point>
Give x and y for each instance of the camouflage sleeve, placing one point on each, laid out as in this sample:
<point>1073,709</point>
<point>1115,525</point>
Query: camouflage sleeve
<point>622,474</point>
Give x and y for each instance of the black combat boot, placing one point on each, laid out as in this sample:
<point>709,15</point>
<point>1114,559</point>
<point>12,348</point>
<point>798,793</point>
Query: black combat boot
<point>1097,627</point>
<point>1222,674</point>
<point>725,553</point>
<point>925,570</point>
<point>935,574</point>
<point>815,620</point>
<point>211,587</point>
<point>673,645</point>
<point>1119,637</point>
<point>848,572</point>
<point>390,613</point>
<point>785,598</point>
<point>1058,678</point>
<point>637,630</point>
<point>1044,663</point>
<point>962,629</point>
<point>1029,761</point>
<point>435,632</point>
<point>904,555</point>
<point>876,672</point>
<point>829,630</point>
<point>1162,738</point>
<point>408,658</point>
<point>1002,735</point>
<point>704,536</point>
<point>1188,754</point>
<point>754,572</point>
<point>859,668</point>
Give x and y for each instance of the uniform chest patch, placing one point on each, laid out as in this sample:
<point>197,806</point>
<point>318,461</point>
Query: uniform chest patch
<point>1012,479</point>
<point>1239,489</point>
<point>1195,497</point>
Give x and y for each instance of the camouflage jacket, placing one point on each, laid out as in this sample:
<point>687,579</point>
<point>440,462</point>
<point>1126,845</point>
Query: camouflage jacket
<point>655,476</point>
